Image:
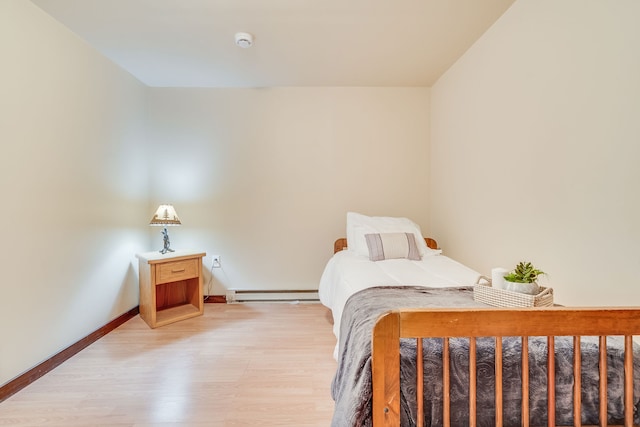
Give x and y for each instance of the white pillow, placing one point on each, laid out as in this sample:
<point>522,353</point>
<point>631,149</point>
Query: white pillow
<point>358,225</point>
<point>392,246</point>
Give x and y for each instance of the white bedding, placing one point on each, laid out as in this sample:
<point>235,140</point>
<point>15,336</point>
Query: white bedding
<point>347,273</point>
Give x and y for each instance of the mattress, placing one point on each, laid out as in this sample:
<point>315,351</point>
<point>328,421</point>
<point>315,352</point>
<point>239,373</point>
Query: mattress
<point>347,273</point>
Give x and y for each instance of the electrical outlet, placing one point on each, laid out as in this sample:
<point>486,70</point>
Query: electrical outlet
<point>215,263</point>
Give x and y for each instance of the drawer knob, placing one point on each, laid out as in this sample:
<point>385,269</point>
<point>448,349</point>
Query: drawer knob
<point>178,271</point>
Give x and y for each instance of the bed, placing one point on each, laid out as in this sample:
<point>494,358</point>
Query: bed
<point>415,348</point>
<point>350,271</point>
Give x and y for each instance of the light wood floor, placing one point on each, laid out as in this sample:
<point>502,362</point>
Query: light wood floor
<point>262,364</point>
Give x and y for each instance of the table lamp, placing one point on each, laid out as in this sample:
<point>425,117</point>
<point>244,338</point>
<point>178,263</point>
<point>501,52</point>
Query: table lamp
<point>165,216</point>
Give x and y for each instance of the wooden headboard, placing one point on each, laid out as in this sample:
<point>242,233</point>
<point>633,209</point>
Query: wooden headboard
<point>341,244</point>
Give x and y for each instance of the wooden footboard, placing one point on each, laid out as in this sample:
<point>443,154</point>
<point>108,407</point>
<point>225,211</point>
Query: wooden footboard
<point>549,322</point>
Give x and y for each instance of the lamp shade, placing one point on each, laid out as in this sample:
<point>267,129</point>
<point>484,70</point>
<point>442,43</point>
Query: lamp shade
<point>165,215</point>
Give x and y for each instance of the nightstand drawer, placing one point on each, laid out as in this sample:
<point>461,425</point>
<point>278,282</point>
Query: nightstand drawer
<point>178,270</point>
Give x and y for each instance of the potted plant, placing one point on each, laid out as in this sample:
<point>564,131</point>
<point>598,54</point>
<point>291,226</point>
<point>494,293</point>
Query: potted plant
<point>523,279</point>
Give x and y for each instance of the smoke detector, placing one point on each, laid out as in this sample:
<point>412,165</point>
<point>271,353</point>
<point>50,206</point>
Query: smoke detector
<point>244,40</point>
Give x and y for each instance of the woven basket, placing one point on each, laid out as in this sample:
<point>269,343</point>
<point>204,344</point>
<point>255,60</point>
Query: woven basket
<point>502,298</point>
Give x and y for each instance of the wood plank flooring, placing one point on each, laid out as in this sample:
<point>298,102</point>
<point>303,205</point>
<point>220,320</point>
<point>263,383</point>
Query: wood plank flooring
<point>266,364</point>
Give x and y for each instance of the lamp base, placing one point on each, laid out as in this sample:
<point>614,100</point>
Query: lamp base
<point>167,243</point>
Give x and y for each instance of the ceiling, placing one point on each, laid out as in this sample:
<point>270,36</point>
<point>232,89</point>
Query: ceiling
<point>190,43</point>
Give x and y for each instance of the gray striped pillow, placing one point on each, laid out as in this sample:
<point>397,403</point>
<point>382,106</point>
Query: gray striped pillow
<point>392,246</point>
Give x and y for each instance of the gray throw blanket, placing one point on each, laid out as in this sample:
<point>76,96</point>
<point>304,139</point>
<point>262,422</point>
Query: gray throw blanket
<point>352,390</point>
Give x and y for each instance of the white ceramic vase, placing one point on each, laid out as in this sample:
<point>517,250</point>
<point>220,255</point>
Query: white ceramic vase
<point>523,288</point>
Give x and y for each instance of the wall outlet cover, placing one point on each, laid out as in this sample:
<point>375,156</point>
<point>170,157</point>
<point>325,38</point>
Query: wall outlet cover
<point>215,263</point>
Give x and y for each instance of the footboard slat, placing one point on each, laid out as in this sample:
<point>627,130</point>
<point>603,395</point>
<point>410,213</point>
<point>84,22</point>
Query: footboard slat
<point>525,381</point>
<point>498,382</point>
<point>472,382</point>
<point>577,382</point>
<point>551,381</point>
<point>419,382</point>
<point>474,323</point>
<point>628,380</point>
<point>446,383</point>
<point>603,380</point>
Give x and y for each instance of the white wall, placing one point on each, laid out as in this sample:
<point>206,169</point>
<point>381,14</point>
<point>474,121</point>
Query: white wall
<point>535,145</point>
<point>264,177</point>
<point>74,188</point>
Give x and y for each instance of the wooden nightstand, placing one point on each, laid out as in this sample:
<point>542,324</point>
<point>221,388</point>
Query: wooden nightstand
<point>170,286</point>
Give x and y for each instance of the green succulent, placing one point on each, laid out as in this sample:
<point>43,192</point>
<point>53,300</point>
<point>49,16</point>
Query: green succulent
<point>524,272</point>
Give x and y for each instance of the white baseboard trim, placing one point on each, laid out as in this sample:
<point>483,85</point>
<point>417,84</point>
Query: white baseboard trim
<point>239,295</point>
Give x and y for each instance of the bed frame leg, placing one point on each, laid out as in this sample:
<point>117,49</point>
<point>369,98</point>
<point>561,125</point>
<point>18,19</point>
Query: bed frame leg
<point>386,375</point>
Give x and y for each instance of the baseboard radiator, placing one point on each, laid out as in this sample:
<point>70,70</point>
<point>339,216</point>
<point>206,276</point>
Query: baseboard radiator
<point>236,295</point>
